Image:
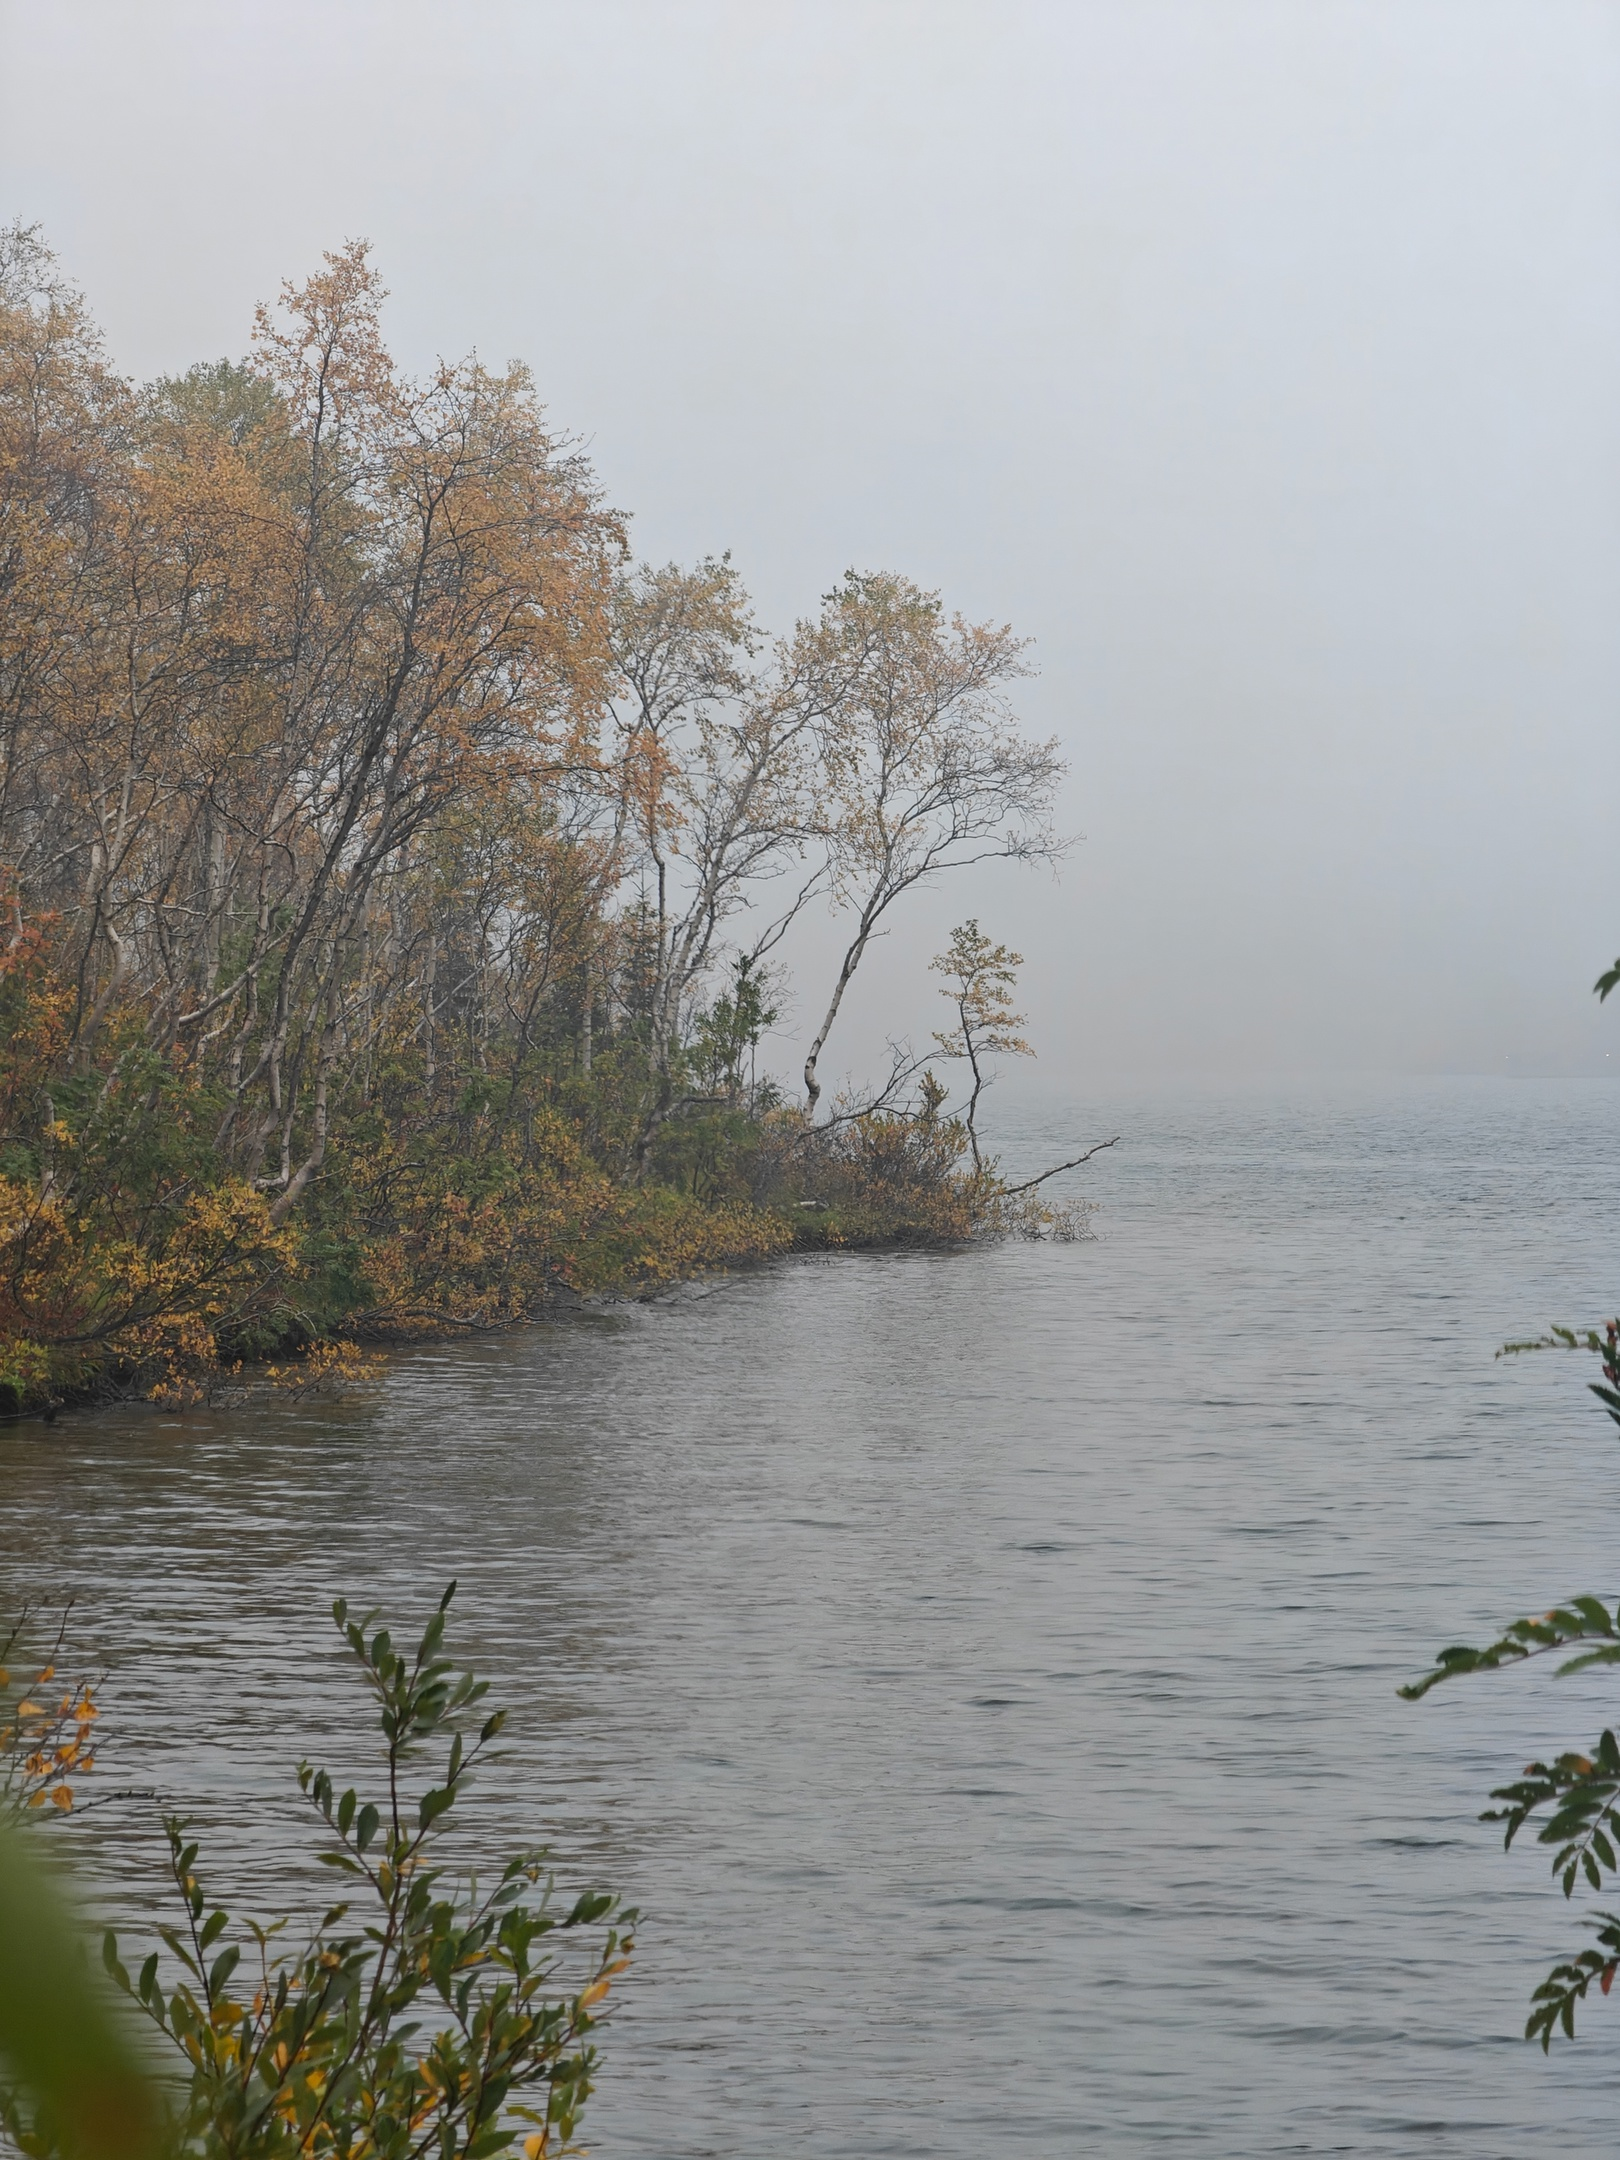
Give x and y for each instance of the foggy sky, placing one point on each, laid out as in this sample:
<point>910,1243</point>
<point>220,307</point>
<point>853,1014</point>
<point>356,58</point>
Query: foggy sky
<point>1261,362</point>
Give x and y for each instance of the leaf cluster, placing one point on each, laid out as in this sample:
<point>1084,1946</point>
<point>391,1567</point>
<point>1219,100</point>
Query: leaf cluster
<point>47,1716</point>
<point>1574,1799</point>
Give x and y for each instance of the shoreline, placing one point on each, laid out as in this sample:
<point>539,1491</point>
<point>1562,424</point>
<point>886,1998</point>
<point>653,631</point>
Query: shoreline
<point>252,1383</point>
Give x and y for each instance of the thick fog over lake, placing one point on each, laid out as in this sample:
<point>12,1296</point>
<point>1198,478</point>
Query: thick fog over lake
<point>1259,361</point>
<point>976,1655</point>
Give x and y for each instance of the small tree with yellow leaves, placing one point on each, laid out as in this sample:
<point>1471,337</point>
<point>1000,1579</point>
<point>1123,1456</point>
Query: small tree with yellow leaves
<point>978,978</point>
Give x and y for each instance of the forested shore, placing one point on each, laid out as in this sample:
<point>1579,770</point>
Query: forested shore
<point>397,875</point>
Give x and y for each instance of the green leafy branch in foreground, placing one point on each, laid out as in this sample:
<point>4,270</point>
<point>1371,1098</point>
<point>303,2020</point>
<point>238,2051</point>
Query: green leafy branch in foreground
<point>434,2029</point>
<point>1578,1795</point>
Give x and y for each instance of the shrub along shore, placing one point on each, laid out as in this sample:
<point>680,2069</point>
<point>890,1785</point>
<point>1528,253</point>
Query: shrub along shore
<point>140,1266</point>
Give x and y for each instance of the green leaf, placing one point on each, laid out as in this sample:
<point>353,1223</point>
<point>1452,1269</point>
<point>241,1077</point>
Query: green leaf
<point>591,1906</point>
<point>179,1949</point>
<point>109,1958</point>
<point>1589,1658</point>
<point>433,1804</point>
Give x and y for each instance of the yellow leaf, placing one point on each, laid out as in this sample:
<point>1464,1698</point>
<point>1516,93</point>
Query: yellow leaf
<point>62,1797</point>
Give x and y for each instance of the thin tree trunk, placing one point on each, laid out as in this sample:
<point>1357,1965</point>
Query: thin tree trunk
<point>973,1099</point>
<point>846,975</point>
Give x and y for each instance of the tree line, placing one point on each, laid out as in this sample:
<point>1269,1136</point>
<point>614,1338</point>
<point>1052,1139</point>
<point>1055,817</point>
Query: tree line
<point>396,871</point>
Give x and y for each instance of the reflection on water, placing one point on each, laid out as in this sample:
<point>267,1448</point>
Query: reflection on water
<point>979,1667</point>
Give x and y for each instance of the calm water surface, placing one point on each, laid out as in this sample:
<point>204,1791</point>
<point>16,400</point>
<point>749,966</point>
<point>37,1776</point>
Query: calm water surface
<point>980,1668</point>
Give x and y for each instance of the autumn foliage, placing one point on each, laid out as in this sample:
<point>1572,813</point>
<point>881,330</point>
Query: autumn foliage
<point>374,837</point>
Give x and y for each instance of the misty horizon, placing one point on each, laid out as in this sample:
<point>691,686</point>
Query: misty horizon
<point>1255,363</point>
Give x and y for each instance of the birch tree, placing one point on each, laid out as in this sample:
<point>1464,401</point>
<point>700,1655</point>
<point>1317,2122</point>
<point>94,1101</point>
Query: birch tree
<point>715,799</point>
<point>923,763</point>
<point>269,628</point>
<point>978,977</point>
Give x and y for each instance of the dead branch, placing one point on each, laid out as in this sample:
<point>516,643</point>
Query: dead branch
<point>1029,1184</point>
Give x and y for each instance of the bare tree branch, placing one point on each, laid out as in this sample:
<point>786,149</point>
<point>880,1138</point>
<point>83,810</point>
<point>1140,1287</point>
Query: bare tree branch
<point>1029,1184</point>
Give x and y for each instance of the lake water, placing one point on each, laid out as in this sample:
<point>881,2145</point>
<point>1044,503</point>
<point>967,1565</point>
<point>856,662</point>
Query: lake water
<point>979,1667</point>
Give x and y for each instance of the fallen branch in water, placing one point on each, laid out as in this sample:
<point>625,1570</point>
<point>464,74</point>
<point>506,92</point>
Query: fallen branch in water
<point>1029,1184</point>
